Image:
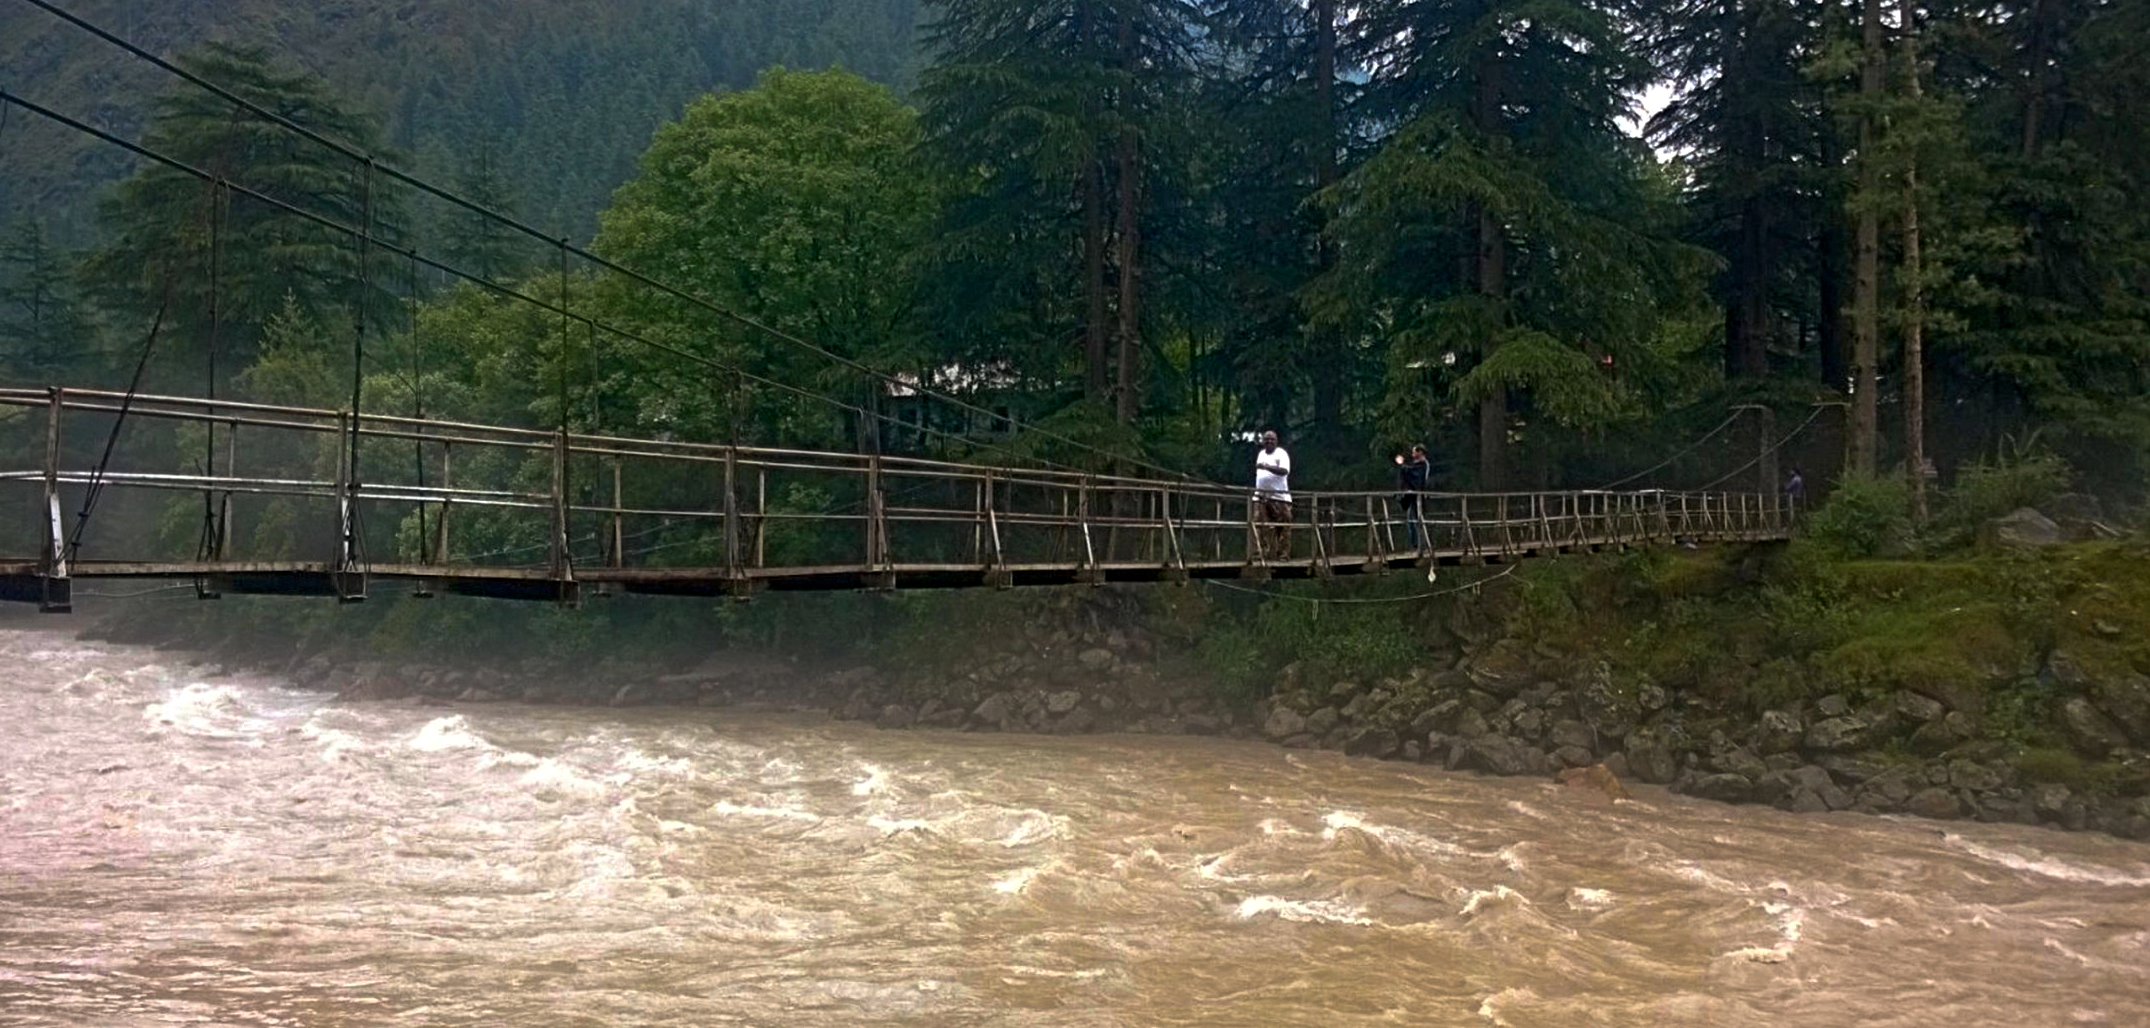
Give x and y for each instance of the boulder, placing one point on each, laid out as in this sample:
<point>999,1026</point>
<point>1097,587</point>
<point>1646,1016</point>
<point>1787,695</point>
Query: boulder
<point>2125,699</point>
<point>1603,707</point>
<point>1573,756</point>
<point>1503,670</point>
<point>1283,723</point>
<point>1427,720</point>
<point>2022,528</point>
<point>1412,752</point>
<point>1973,777</point>
<point>1839,734</point>
<point>1740,761</point>
<point>1498,755</point>
<point>1076,722</point>
<point>1323,721</point>
<point>1529,723</point>
<point>1354,709</point>
<point>1779,731</point>
<point>1807,801</point>
<point>2051,801</point>
<point>1724,788</point>
<point>1573,734</point>
<point>896,715</point>
<point>1095,659</point>
<point>1833,705</point>
<point>1470,724</point>
<point>1652,697</point>
<point>2089,730</point>
<point>1918,709</point>
<point>1063,701</point>
<point>1937,803</point>
<point>1849,769</point>
<point>1650,757</point>
<point>1371,742</point>
<point>951,717</point>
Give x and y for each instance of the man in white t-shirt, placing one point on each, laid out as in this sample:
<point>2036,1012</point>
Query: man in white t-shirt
<point>1272,490</point>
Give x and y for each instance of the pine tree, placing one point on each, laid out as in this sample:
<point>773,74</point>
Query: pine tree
<point>44,335</point>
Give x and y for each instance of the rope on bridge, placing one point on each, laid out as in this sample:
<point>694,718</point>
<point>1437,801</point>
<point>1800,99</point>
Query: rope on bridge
<point>1773,447</point>
<point>1667,462</point>
<point>413,181</point>
<point>515,294</point>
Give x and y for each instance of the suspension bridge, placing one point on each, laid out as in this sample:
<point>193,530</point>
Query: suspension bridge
<point>292,500</point>
<point>610,514</point>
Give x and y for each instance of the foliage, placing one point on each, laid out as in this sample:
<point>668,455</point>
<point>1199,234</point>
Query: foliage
<point>1865,517</point>
<point>2025,477</point>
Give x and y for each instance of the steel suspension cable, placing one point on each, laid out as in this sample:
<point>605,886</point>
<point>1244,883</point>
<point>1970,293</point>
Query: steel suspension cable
<point>884,378</point>
<point>515,294</point>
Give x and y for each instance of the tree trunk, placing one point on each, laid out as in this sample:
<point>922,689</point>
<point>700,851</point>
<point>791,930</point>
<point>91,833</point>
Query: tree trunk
<point>1128,396</point>
<point>1866,298</point>
<point>2034,86</point>
<point>1914,295</point>
<point>1493,410</point>
<point>1091,190</point>
<point>1328,366</point>
<point>1747,306</point>
<point>1491,277</point>
<point>1096,359</point>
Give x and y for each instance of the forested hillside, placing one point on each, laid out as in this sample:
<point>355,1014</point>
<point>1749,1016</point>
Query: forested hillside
<point>1910,232</point>
<point>560,95</point>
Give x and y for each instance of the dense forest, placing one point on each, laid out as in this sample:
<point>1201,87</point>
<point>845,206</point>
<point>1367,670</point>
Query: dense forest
<point>557,95</point>
<point>1138,229</point>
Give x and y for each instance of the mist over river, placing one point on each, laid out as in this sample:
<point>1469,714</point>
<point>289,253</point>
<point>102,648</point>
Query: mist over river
<point>179,847</point>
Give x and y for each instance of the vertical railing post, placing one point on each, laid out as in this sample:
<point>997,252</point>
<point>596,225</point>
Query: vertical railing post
<point>346,574</point>
<point>876,529</point>
<point>447,486</point>
<point>56,588</point>
<point>761,516</point>
<point>731,513</point>
<point>563,571</point>
<point>619,536</point>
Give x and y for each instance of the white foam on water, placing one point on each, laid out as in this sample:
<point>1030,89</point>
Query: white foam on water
<point>875,782</point>
<point>1581,898</point>
<point>1277,826</point>
<point>1015,883</point>
<point>2038,863</point>
<point>335,743</point>
<point>1304,911</point>
<point>443,734</point>
<point>637,761</point>
<point>727,808</point>
<point>1475,898</point>
<point>205,711</point>
<point>1340,820</point>
<point>1490,1007</point>
<point>551,779</point>
<point>892,826</point>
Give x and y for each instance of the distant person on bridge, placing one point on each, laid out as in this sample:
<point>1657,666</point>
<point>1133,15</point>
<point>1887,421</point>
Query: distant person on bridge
<point>1272,490</point>
<point>1411,478</point>
<point>1795,493</point>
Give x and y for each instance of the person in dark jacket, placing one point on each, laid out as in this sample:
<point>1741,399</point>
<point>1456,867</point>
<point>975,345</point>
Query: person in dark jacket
<point>1411,478</point>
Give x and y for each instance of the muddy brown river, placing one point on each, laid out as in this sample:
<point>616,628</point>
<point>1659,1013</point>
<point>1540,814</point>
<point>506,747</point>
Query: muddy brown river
<point>180,848</point>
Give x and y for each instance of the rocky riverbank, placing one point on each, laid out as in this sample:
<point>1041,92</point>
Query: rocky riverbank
<point>1489,690</point>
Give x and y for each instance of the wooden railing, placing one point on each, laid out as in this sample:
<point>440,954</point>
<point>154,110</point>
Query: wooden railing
<point>304,500</point>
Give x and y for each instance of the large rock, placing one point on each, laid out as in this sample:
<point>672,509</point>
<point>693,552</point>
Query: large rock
<point>1918,709</point>
<point>2089,730</point>
<point>1603,706</point>
<point>2022,528</point>
<point>1973,776</point>
<point>896,715</point>
<point>1740,761</point>
<point>1937,803</point>
<point>1470,724</point>
<point>1323,721</point>
<point>1283,723</point>
<point>1839,734</point>
<point>1724,788</point>
<point>1499,755</point>
<point>2126,699</point>
<point>1575,734</point>
<point>1503,670</point>
<point>1063,701</point>
<point>1779,731</point>
<point>1371,742</point>
<point>1650,757</point>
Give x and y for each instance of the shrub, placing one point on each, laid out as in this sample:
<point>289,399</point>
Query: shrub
<point>1865,517</point>
<point>2022,477</point>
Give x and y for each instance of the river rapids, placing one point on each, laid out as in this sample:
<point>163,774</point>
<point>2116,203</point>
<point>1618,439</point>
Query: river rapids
<point>180,847</point>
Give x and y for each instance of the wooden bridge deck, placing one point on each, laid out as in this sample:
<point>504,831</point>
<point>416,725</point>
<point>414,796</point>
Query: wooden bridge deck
<point>705,520</point>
